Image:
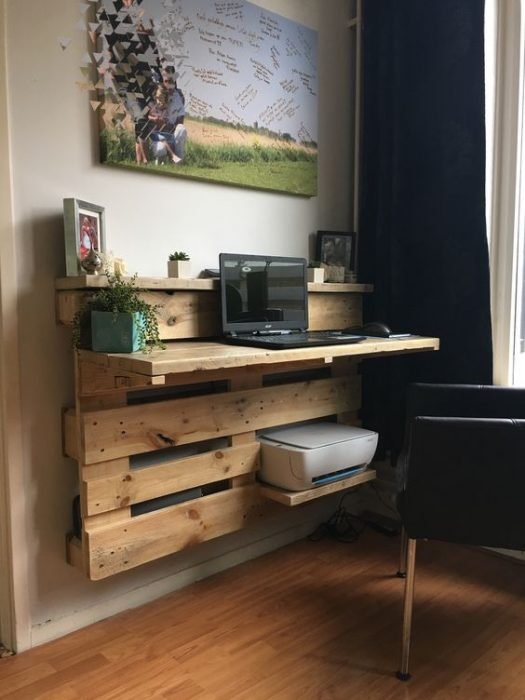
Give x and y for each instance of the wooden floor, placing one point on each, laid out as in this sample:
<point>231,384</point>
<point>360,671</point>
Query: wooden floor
<point>312,621</point>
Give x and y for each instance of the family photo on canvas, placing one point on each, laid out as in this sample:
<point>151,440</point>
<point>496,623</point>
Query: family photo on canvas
<point>222,91</point>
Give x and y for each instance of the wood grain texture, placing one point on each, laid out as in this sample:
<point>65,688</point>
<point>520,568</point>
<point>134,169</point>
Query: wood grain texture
<point>164,283</point>
<point>310,621</point>
<point>120,432</point>
<point>334,311</point>
<point>296,498</point>
<point>200,356</point>
<point>191,308</point>
<point>244,380</point>
<point>181,314</point>
<point>340,288</point>
<point>176,283</point>
<point>103,493</point>
<point>99,378</point>
<point>123,546</point>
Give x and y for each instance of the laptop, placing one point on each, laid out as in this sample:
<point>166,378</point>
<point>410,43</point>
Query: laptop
<point>264,303</point>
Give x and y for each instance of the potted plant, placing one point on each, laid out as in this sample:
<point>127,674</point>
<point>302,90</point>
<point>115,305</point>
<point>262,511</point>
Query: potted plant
<point>315,272</point>
<point>179,265</point>
<point>116,319</point>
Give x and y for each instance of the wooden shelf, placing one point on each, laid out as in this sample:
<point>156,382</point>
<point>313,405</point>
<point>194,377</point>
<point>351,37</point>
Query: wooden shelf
<point>164,283</point>
<point>202,284</point>
<point>340,287</point>
<point>295,498</point>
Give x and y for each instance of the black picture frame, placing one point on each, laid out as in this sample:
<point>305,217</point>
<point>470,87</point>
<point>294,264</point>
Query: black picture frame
<point>338,249</point>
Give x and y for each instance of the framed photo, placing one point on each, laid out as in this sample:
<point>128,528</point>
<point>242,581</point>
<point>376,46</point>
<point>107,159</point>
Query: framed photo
<point>335,249</point>
<point>84,229</point>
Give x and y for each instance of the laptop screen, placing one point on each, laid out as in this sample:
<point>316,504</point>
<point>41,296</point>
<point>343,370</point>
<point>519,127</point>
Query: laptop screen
<point>262,293</point>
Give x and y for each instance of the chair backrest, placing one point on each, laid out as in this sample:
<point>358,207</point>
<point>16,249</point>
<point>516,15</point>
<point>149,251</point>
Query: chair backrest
<point>464,465</point>
<point>465,401</point>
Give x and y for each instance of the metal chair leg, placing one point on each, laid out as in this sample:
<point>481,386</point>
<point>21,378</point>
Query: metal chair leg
<point>403,673</point>
<point>402,572</point>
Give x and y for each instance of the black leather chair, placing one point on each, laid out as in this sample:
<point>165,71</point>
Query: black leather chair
<point>462,474</point>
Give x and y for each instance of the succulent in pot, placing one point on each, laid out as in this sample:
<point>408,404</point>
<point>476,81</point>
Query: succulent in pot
<point>179,265</point>
<point>116,318</point>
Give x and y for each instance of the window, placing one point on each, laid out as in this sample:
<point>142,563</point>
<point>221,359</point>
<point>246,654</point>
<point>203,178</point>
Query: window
<point>505,80</point>
<point>518,369</point>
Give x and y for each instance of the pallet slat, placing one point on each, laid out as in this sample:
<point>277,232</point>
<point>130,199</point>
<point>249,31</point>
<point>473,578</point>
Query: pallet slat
<point>334,311</point>
<point>112,549</point>
<point>138,485</point>
<point>295,498</point>
<point>121,432</point>
<point>194,313</point>
<point>100,378</point>
<point>181,314</point>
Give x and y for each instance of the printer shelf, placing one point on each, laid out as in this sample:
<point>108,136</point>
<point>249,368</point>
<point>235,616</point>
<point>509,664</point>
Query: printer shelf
<point>295,498</point>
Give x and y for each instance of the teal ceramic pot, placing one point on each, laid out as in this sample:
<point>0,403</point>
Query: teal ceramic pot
<point>115,332</point>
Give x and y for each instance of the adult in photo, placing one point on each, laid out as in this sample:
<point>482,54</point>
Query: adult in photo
<point>176,110</point>
<point>334,251</point>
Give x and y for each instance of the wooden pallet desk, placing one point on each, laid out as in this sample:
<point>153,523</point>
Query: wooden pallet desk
<point>184,421</point>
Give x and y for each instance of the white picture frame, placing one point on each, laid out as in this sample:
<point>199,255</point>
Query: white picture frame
<point>84,228</point>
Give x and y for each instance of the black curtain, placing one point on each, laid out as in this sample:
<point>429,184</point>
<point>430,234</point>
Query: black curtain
<point>422,239</point>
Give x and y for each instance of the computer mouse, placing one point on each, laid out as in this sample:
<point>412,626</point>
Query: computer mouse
<point>376,329</point>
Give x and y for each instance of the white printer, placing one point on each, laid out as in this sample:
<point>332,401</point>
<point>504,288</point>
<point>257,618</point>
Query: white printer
<point>304,456</point>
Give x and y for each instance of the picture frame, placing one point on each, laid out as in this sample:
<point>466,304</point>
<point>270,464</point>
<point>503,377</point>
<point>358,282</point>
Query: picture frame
<point>84,228</point>
<point>336,250</point>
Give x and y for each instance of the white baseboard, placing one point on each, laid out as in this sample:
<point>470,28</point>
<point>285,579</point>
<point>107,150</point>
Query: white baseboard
<point>76,619</point>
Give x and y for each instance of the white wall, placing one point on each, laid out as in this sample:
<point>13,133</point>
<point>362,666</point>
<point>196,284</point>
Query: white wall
<point>54,146</point>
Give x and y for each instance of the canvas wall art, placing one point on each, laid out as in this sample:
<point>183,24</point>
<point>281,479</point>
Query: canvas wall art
<point>220,90</point>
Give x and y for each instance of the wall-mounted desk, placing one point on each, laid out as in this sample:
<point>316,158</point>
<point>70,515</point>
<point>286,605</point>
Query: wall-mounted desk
<point>199,394</point>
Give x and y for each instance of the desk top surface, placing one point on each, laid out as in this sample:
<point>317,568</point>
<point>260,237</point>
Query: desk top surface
<point>199,355</point>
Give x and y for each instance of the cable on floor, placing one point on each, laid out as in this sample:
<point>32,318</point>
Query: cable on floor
<point>342,526</point>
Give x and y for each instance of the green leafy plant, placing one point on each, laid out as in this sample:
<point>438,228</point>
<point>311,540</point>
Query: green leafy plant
<point>179,255</point>
<point>120,296</point>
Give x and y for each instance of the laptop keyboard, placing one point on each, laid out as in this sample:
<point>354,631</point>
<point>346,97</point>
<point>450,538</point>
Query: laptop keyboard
<point>292,338</point>
<point>299,339</point>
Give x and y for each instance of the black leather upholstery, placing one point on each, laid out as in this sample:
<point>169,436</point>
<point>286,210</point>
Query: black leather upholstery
<point>462,472</point>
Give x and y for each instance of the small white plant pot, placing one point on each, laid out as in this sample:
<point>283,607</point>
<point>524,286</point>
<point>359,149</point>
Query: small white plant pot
<point>179,268</point>
<point>315,274</point>
<point>334,273</point>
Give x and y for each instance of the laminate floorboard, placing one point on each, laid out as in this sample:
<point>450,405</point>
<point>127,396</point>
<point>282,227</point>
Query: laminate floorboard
<point>311,621</point>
